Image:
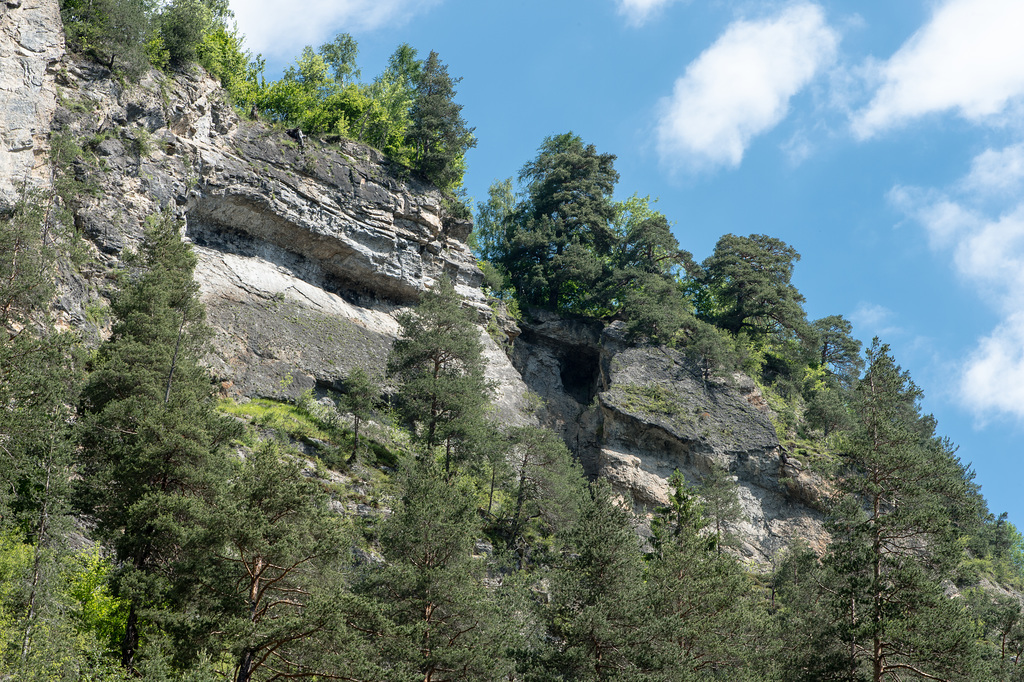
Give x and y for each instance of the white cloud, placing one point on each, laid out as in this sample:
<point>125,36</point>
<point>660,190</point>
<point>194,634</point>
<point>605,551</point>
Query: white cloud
<point>993,382</point>
<point>639,11</point>
<point>741,86</point>
<point>969,57</point>
<point>980,223</point>
<point>997,171</point>
<point>276,30</point>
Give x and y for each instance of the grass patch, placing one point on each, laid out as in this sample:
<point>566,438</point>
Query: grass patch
<point>280,416</point>
<point>652,399</point>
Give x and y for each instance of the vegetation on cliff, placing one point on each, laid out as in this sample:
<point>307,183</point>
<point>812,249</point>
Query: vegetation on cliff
<point>396,532</point>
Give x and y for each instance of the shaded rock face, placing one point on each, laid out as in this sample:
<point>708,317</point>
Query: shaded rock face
<point>305,254</point>
<point>31,45</point>
<point>636,414</point>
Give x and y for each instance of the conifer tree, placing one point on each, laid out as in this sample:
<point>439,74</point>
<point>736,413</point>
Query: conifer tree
<point>893,536</point>
<point>546,481</point>
<point>267,571</point>
<point>435,620</point>
<point>439,364</point>
<point>361,393</point>
<point>597,612</point>
<point>750,280</point>
<point>563,229</point>
<point>152,441</point>
<point>702,612</point>
<point>39,381</point>
<point>437,130</point>
<point>720,493</point>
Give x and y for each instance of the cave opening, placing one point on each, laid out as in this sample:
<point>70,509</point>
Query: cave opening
<point>580,371</point>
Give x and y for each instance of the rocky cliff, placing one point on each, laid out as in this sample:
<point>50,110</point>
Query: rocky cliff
<point>307,251</point>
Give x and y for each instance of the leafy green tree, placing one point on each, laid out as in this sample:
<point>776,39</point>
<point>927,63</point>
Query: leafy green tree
<point>439,364</point>
<point>489,237</point>
<point>386,119</point>
<point>114,32</point>
<point>644,286</point>
<point>182,25</point>
<point>563,228</point>
<point>340,56</point>
<point>360,397</point>
<point>152,442</point>
<point>310,97</point>
<point>893,537</point>
<point>1002,619</point>
<point>711,348</point>
<point>828,410</point>
<point>437,131</point>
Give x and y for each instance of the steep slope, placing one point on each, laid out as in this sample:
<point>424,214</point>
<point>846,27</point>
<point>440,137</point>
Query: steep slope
<point>634,414</point>
<point>308,250</point>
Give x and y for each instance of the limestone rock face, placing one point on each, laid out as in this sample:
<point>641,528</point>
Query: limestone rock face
<point>306,253</point>
<point>31,45</point>
<point>636,414</point>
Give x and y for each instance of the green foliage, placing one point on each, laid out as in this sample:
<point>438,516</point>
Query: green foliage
<point>562,230</point>
<point>545,484</point>
<point>720,494</point>
<point>268,595</point>
<point>360,397</point>
<point>893,535</point>
<point>182,26</point>
<point>837,352</point>
<point>488,239</point>
<point>433,618</point>
<point>750,278</point>
<point>152,442</point>
<point>114,32</point>
<point>279,416</point>
<point>437,132</point>
<point>438,363</point>
<point>597,604</point>
<point>702,614</point>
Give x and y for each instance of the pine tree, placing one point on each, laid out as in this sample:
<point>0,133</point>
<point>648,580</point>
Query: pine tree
<point>152,441</point>
<point>702,613</point>
<point>266,573</point>
<point>435,620</point>
<point>39,381</point>
<point>360,396</point>
<point>720,493</point>
<point>439,364</point>
<point>563,229</point>
<point>597,612</point>
<point>546,481</point>
<point>437,131</point>
<point>893,537</point>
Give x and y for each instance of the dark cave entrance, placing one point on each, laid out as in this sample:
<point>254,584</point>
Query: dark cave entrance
<point>580,371</point>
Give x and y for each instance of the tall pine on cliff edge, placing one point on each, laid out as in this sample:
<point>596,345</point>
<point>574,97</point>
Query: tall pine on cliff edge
<point>152,442</point>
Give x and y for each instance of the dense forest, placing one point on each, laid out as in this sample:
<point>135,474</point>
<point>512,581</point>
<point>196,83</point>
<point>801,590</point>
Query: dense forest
<point>149,529</point>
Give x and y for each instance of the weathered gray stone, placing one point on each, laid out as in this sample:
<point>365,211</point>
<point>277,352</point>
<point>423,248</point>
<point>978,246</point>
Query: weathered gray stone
<point>31,44</point>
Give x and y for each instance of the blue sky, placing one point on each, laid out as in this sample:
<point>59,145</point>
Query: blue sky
<point>883,140</point>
